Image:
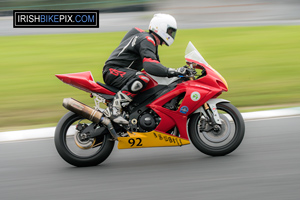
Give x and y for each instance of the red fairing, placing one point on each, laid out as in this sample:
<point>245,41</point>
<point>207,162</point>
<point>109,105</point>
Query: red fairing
<point>170,118</point>
<point>152,83</point>
<point>211,79</point>
<point>196,93</point>
<point>83,81</point>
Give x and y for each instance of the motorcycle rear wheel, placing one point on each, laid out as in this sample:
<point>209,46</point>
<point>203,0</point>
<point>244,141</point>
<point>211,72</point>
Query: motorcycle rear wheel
<point>73,153</point>
<point>226,140</point>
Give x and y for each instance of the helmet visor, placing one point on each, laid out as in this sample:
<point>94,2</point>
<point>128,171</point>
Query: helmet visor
<point>172,32</point>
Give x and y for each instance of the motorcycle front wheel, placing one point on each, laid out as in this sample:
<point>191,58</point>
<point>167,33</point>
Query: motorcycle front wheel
<point>220,142</point>
<point>80,153</point>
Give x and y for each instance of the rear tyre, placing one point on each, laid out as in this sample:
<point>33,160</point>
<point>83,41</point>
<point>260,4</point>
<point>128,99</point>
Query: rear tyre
<point>69,149</point>
<point>224,141</point>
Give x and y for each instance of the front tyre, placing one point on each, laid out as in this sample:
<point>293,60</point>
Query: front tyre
<point>223,141</point>
<point>69,149</point>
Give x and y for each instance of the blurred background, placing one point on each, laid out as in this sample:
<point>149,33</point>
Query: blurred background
<point>254,44</point>
<point>117,15</point>
<point>102,5</point>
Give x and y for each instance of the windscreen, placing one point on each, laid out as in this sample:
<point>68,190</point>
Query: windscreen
<point>192,53</point>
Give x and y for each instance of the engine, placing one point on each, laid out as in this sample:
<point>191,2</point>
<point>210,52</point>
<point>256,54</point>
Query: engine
<point>144,122</point>
<point>147,122</point>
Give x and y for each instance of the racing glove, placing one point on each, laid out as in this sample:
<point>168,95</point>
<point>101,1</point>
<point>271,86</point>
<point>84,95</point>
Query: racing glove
<point>177,72</point>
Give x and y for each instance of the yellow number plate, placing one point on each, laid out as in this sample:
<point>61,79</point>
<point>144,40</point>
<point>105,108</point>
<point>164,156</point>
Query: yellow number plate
<point>150,139</point>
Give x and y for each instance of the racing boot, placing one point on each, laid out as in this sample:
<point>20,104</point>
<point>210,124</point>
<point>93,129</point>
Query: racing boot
<point>114,110</point>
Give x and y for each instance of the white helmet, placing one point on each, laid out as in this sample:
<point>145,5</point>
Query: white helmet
<point>164,26</point>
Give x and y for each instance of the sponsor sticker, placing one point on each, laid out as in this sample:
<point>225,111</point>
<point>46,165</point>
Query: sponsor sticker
<point>195,96</point>
<point>184,109</point>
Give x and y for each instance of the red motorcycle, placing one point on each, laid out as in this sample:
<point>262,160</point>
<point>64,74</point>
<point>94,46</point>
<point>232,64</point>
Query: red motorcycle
<point>168,112</point>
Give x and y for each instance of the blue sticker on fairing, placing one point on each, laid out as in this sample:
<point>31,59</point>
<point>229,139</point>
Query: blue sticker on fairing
<point>184,109</point>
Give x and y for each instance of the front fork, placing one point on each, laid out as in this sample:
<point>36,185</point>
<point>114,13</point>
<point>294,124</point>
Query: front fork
<point>210,116</point>
<point>212,112</point>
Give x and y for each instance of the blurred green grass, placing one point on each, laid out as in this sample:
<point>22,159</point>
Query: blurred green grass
<point>260,64</point>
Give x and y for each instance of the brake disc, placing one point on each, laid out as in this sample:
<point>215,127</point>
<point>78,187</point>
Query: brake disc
<point>82,141</point>
<point>220,135</point>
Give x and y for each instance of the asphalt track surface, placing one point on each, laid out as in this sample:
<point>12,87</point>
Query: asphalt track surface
<point>265,166</point>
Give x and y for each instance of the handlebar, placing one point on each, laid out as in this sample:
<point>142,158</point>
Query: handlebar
<point>191,73</point>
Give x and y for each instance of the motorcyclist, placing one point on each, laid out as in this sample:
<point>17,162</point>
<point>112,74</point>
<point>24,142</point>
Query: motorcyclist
<point>137,51</point>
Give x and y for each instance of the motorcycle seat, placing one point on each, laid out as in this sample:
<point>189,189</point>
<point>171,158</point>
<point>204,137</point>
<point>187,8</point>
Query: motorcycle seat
<point>110,88</point>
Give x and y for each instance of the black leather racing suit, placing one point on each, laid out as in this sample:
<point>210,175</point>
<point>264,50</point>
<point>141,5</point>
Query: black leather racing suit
<point>136,51</point>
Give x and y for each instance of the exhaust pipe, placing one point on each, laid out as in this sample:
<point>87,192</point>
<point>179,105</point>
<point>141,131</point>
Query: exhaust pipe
<point>82,110</point>
<point>89,113</point>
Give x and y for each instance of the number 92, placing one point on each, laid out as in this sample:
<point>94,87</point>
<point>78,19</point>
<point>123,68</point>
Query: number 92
<point>137,141</point>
